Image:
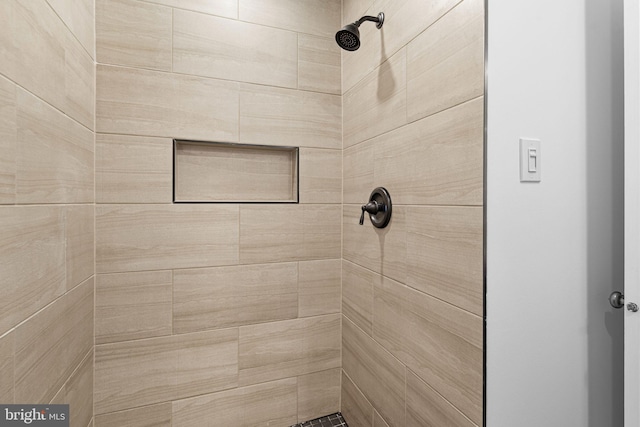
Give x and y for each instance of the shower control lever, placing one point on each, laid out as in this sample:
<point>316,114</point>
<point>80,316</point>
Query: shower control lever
<point>372,207</point>
<point>378,208</point>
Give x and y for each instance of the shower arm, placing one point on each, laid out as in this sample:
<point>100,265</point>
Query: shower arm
<point>378,19</point>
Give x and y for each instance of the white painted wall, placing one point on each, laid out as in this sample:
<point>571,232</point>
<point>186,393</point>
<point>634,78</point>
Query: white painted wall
<point>554,249</point>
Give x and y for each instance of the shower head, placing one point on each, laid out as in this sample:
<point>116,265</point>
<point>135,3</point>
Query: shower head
<point>348,37</point>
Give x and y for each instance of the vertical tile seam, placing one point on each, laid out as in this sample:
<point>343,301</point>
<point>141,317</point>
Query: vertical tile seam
<point>13,364</point>
<point>297,60</point>
<point>173,317</point>
<point>297,399</point>
<point>406,368</point>
<point>65,235</point>
<point>173,24</point>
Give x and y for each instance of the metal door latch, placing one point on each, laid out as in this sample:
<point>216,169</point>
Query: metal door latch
<point>616,299</point>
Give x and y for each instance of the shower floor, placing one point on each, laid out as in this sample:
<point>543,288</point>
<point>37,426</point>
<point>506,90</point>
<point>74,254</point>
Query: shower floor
<point>333,420</point>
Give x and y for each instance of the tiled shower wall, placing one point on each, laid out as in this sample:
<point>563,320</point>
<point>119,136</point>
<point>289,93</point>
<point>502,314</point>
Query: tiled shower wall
<point>47,83</point>
<point>412,300</point>
<point>216,314</point>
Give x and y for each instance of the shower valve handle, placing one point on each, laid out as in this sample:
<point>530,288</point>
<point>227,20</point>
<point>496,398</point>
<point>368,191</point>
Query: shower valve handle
<point>378,207</point>
<point>372,207</point>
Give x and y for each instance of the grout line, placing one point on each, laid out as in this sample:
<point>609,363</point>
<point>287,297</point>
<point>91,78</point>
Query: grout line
<point>47,103</point>
<point>414,289</point>
<point>173,32</point>
<point>226,328</point>
<point>441,396</point>
<point>424,206</point>
<point>408,123</point>
<point>173,317</point>
<point>228,81</point>
<point>103,273</point>
<point>73,33</point>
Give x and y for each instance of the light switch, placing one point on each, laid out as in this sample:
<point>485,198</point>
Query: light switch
<point>529,160</point>
<point>532,160</point>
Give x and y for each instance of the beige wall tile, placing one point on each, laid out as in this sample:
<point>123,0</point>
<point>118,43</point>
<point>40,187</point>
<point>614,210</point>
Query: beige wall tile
<point>271,233</point>
<point>38,22</point>
<point>33,251</point>
<point>445,254</point>
<point>288,348</point>
<point>379,375</point>
<point>319,288</point>
<point>7,367</point>
<point>59,397</point>
<point>320,176</point>
<point>55,155</point>
<point>378,421</point>
<point>46,140</point>
<point>354,9</point>
<point>358,180</point>
<point>78,319</point>
<point>277,116</point>
<point>318,394</point>
<point>132,169</point>
<point>437,160</point>
<point>134,373</point>
<point>80,243</point>
<point>154,370</point>
<point>152,103</point>
<point>312,17</point>
<point>322,235</point>
<point>151,237</point>
<point>51,344</point>
<point>400,27</point>
<point>51,63</point>
<point>382,250</point>
<point>134,34</point>
<point>280,233</point>
<point>378,103</point>
<point>439,342</point>
<point>226,8</point>
<point>268,404</point>
<point>356,409</point>
<point>238,173</point>
<point>145,416</point>
<point>425,407</point>
<point>210,46</point>
<point>79,16</point>
<point>8,141</point>
<point>445,64</point>
<point>357,295</point>
<point>133,305</point>
<point>319,64</point>
<point>78,392</point>
<point>206,362</point>
<point>80,83</point>
<point>209,298</point>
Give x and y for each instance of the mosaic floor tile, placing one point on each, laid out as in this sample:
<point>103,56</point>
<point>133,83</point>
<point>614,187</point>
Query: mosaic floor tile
<point>333,420</point>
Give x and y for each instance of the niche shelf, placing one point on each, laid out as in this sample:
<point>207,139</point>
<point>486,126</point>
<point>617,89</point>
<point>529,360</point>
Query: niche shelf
<point>220,172</point>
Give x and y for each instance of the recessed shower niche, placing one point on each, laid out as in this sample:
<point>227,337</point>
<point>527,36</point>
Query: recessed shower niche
<point>216,172</point>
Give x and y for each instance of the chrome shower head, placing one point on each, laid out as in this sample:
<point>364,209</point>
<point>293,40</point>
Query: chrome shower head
<point>348,37</point>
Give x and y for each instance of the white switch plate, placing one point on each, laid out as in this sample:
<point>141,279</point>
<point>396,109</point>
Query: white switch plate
<point>530,156</point>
